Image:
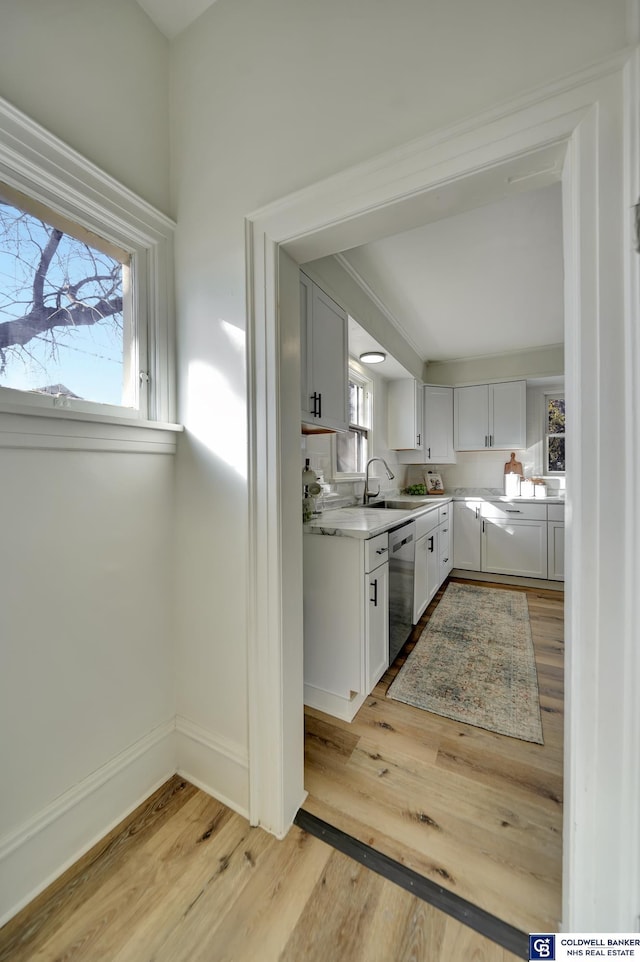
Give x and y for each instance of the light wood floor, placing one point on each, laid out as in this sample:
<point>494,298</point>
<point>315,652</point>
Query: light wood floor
<point>476,812</point>
<point>186,880</point>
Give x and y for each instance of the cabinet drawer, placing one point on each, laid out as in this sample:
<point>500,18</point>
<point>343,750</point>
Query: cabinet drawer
<point>376,552</point>
<point>513,511</point>
<point>443,512</point>
<point>427,522</point>
<point>444,543</point>
<point>556,512</point>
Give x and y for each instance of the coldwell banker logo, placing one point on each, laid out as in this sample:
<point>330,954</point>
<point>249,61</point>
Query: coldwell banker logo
<point>542,947</point>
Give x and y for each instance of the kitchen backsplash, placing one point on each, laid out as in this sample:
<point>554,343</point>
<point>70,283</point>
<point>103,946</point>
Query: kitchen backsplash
<point>317,448</point>
<point>481,469</point>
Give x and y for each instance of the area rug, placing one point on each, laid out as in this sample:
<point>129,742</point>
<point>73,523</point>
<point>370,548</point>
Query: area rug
<point>474,663</point>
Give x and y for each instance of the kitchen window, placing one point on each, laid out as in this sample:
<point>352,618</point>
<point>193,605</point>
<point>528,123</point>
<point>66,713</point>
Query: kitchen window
<point>554,435</point>
<point>351,447</point>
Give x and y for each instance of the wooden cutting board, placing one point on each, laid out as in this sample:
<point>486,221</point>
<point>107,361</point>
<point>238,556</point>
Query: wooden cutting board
<point>513,466</point>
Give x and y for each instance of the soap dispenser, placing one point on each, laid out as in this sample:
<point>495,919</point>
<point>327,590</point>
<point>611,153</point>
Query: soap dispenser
<point>310,488</point>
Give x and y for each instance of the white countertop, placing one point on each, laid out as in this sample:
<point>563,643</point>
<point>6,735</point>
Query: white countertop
<point>496,494</point>
<point>366,522</point>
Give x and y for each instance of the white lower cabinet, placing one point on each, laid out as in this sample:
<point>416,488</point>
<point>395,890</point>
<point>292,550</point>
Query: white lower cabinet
<point>445,542</point>
<point>466,535</point>
<point>346,620</point>
<point>555,542</point>
<point>434,557</point>
<point>514,538</point>
<point>427,562</point>
<point>377,625</point>
<point>515,548</point>
<point>510,537</point>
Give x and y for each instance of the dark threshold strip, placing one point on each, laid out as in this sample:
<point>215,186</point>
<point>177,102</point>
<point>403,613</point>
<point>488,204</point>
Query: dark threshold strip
<point>458,908</point>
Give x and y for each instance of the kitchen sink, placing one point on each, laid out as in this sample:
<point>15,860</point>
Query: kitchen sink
<point>394,505</point>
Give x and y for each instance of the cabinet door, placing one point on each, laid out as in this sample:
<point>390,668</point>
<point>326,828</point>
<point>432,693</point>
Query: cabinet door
<point>404,414</point>
<point>555,550</point>
<point>471,417</point>
<point>438,425</point>
<point>515,548</point>
<point>377,624</point>
<point>508,415</point>
<point>329,370</point>
<point>420,579</point>
<point>466,535</point>
<point>306,287</point>
<point>433,562</point>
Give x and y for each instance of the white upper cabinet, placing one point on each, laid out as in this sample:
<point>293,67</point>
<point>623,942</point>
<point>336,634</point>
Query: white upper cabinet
<point>323,358</point>
<point>437,428</point>
<point>438,425</point>
<point>490,416</point>
<point>404,413</point>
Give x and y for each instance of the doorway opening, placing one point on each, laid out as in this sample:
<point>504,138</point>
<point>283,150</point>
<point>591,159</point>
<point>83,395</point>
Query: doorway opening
<point>338,215</point>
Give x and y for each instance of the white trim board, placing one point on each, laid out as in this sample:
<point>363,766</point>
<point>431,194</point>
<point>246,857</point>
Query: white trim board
<point>207,760</point>
<point>584,113</point>
<point>44,846</point>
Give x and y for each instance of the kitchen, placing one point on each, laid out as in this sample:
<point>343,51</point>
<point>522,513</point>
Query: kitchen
<point>526,268</point>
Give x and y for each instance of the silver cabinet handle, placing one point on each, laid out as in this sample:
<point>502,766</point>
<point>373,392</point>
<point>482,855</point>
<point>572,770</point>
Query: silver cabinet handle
<point>513,511</point>
<point>431,543</point>
<point>477,513</point>
<point>374,585</point>
<point>429,453</point>
<point>381,550</point>
<point>419,440</point>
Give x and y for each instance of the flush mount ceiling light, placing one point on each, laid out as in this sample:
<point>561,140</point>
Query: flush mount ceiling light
<point>372,357</point>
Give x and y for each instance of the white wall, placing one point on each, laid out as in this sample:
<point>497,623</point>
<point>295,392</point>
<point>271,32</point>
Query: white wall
<point>269,96</point>
<point>87,681</point>
<point>94,73</point>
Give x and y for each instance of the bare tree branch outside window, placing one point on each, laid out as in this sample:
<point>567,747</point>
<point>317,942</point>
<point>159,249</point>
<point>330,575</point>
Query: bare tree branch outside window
<point>61,312</point>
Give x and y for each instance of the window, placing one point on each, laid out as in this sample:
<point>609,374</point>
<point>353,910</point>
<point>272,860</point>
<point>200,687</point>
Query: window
<point>66,323</point>
<point>352,445</point>
<point>555,458</point>
<point>86,293</point>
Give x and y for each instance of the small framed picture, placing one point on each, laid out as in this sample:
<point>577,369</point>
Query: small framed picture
<point>434,484</point>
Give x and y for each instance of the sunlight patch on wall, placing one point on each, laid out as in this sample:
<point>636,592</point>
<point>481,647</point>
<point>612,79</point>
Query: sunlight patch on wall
<point>216,415</point>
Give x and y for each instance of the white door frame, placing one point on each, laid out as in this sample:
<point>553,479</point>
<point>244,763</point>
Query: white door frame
<point>602,808</point>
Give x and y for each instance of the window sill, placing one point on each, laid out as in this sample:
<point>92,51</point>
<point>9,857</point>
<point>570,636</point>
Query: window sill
<point>26,428</point>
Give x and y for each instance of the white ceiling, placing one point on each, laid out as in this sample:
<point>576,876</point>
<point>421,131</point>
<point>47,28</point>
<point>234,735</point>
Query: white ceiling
<point>484,281</point>
<point>171,17</point>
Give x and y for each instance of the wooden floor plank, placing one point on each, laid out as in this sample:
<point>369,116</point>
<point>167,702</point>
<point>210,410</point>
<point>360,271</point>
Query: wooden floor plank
<point>75,887</point>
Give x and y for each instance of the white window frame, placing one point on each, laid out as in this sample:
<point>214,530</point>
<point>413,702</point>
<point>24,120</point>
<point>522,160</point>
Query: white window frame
<point>356,375</point>
<point>548,396</point>
<point>37,164</point>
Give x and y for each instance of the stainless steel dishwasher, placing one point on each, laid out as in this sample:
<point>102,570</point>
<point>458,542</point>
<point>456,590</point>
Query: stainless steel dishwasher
<point>402,552</point>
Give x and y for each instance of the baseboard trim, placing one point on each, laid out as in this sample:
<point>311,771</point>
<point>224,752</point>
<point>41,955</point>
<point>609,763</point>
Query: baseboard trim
<point>507,579</point>
<point>217,765</point>
<point>36,853</point>
<point>458,908</point>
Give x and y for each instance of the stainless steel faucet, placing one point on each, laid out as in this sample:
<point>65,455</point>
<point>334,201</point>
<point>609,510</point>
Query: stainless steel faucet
<point>374,494</point>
